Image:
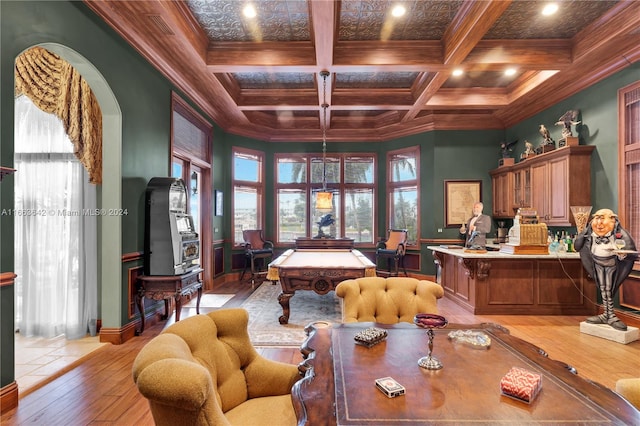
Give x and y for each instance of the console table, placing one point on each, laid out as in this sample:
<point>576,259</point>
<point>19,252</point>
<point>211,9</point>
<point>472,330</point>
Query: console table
<point>328,243</point>
<point>165,287</point>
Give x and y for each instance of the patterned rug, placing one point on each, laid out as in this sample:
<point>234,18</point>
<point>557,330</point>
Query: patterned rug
<point>306,306</point>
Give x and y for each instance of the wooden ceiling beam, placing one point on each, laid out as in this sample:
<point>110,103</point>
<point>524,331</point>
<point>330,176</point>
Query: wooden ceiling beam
<point>472,21</point>
<point>167,44</point>
<point>370,56</point>
<point>606,60</point>
<point>324,23</point>
<point>226,56</point>
<point>529,54</point>
<point>479,98</point>
<point>620,20</point>
<point>168,36</point>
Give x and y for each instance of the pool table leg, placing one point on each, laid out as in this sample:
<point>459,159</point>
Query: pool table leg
<point>283,299</point>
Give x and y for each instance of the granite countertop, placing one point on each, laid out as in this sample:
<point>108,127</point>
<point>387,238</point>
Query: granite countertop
<point>493,252</point>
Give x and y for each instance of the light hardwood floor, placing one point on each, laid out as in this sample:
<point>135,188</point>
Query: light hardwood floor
<point>101,390</point>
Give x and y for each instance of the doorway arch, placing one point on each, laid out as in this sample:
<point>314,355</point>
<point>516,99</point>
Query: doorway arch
<point>110,194</point>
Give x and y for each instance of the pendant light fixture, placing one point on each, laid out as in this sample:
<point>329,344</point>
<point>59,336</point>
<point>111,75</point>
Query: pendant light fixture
<point>324,197</point>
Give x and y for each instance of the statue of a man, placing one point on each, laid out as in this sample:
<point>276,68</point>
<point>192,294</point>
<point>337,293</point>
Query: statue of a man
<point>608,267</point>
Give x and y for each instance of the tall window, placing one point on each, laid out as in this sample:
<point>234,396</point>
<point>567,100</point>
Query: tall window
<point>191,161</point>
<point>629,160</point>
<point>248,190</point>
<point>350,178</point>
<point>402,191</point>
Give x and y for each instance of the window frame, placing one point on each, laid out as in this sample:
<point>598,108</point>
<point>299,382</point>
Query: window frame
<point>392,186</point>
<point>340,188</point>
<point>628,154</point>
<point>195,156</point>
<point>258,185</point>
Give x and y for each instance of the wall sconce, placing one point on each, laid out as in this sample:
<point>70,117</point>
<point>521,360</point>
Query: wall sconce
<point>194,183</point>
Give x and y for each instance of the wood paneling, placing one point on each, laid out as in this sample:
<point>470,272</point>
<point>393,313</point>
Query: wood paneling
<point>517,286</point>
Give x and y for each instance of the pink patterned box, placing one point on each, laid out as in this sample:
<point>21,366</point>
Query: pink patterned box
<point>521,384</point>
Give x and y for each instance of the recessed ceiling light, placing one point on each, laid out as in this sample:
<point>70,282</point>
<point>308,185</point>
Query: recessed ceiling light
<point>509,72</point>
<point>398,11</point>
<point>249,11</point>
<point>550,9</point>
<point>457,72</point>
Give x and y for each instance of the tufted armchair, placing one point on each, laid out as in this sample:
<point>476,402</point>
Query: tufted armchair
<point>630,390</point>
<point>387,300</point>
<point>204,370</point>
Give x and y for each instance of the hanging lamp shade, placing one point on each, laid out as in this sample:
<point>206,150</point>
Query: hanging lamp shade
<point>324,201</point>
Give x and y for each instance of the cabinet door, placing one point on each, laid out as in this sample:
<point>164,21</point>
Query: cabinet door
<point>522,188</point>
<point>558,204</point>
<point>501,190</point>
<point>540,192</point>
<point>517,189</point>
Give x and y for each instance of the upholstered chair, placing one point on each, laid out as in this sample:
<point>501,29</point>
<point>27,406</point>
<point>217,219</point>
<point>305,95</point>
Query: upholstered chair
<point>204,370</point>
<point>257,249</point>
<point>630,390</point>
<point>393,250</point>
<point>387,300</point>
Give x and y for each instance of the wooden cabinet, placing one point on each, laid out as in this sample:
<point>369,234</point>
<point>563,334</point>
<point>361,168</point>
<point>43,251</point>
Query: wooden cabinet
<point>501,185</point>
<point>549,183</point>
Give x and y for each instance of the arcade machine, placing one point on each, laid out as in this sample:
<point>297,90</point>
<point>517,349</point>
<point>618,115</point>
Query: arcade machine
<point>171,248</point>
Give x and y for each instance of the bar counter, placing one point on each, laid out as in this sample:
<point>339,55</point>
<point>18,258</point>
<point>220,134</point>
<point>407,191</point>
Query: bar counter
<point>496,283</point>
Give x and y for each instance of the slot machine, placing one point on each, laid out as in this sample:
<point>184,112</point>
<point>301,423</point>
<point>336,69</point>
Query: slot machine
<point>172,246</point>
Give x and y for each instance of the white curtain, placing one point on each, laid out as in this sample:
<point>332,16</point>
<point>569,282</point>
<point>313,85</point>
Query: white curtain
<point>55,230</point>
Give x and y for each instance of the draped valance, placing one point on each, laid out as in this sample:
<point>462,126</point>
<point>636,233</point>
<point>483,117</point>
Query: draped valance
<point>56,87</point>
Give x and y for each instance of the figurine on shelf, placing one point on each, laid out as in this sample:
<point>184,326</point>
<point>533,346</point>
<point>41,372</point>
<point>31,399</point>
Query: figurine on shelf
<point>548,144</point>
<point>506,148</point>
<point>476,230</point>
<point>529,150</point>
<point>601,245</point>
<point>545,134</point>
<point>568,119</point>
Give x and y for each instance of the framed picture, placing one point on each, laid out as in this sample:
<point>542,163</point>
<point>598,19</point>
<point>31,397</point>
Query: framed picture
<point>459,197</point>
<point>219,205</point>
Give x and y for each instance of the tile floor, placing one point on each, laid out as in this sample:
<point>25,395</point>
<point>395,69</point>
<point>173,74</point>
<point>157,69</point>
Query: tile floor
<point>39,360</point>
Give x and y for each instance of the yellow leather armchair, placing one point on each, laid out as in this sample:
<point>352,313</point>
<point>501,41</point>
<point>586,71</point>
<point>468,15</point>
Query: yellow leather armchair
<point>204,370</point>
<point>387,300</point>
<point>630,390</point>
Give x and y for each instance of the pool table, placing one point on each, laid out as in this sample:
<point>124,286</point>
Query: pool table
<point>319,270</point>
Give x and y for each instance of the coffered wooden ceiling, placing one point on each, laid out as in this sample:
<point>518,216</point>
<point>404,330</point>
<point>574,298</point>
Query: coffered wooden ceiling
<point>389,77</point>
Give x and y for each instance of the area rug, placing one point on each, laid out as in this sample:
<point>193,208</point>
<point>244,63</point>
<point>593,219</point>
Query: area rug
<point>209,300</point>
<point>306,306</point>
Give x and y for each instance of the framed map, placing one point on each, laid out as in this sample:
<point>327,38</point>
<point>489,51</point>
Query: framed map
<point>459,197</point>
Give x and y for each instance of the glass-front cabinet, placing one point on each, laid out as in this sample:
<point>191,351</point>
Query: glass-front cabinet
<point>521,188</point>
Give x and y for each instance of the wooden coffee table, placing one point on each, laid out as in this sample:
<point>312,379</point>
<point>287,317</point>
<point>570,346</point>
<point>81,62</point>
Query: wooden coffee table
<point>338,387</point>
